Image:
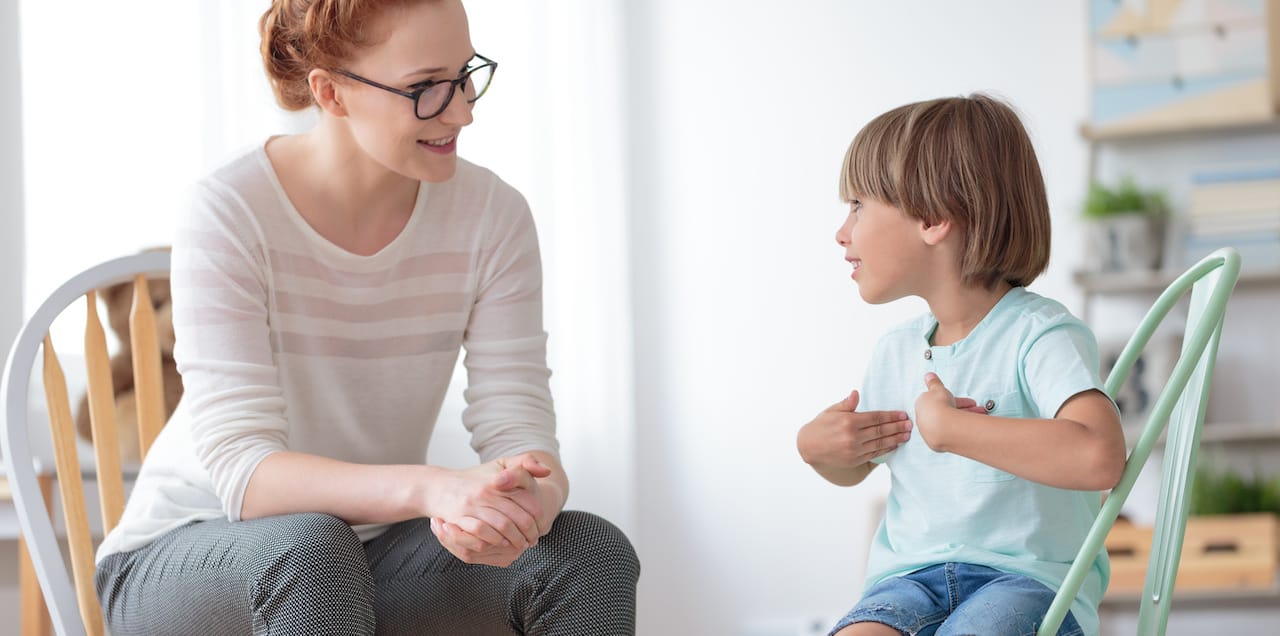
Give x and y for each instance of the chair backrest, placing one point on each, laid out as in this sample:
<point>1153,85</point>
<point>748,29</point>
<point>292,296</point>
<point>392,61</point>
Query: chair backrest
<point>74,607</point>
<point>1180,408</point>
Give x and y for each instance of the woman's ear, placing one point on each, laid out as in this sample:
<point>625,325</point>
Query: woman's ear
<point>935,233</point>
<point>325,91</point>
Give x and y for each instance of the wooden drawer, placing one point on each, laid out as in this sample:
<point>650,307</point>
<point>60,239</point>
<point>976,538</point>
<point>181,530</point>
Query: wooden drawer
<point>1229,552</point>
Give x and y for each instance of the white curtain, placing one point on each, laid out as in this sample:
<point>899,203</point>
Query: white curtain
<point>11,199</point>
<point>129,103</point>
<point>554,126</point>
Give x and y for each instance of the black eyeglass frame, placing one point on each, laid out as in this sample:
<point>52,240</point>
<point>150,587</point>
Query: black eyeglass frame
<point>422,88</point>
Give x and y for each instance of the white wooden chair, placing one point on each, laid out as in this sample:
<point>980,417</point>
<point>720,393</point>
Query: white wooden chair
<point>72,603</point>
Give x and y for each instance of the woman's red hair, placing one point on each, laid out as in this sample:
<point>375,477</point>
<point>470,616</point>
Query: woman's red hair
<point>300,35</point>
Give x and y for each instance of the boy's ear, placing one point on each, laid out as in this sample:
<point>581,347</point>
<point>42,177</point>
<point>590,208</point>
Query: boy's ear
<point>935,233</point>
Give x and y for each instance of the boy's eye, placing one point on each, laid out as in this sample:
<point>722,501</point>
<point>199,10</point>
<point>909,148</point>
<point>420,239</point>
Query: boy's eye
<point>857,206</point>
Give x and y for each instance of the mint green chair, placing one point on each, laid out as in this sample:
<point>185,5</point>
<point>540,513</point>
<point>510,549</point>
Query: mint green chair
<point>1180,408</point>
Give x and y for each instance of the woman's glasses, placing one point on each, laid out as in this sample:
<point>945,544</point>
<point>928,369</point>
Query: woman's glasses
<point>430,98</point>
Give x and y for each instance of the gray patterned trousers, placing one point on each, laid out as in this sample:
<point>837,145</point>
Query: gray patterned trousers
<point>309,574</point>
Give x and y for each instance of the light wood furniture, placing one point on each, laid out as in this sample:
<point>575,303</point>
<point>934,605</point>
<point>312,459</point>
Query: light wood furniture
<point>33,615</point>
<point>73,605</point>
<point>1223,553</point>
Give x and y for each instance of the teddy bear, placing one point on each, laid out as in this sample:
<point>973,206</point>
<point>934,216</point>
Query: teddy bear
<point>118,300</point>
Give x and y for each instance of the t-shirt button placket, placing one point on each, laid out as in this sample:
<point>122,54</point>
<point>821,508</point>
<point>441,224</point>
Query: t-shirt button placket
<point>928,354</point>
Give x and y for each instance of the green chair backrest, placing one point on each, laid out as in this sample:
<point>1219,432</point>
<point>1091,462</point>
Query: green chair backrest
<point>1180,408</point>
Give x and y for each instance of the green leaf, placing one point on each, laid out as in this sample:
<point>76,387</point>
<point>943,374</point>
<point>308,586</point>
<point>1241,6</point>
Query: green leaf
<point>1125,198</point>
<point>1225,492</point>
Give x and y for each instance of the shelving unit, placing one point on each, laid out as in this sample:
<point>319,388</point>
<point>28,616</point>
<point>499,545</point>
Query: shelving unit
<point>1160,115</point>
<point>1095,284</point>
<point>1147,284</point>
<point>1248,443</point>
<point>1200,599</point>
<point>1124,282</point>
<point>1223,433</point>
<point>1260,124</point>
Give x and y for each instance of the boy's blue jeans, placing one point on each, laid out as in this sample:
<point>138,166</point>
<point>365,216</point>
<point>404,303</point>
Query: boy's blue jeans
<point>953,599</point>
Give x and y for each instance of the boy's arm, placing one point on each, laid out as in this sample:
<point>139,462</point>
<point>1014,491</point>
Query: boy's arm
<point>845,475</point>
<point>1081,448</point>
<point>839,443</point>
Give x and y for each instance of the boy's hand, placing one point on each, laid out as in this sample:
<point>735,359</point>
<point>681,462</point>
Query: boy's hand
<point>839,437</point>
<point>933,406</point>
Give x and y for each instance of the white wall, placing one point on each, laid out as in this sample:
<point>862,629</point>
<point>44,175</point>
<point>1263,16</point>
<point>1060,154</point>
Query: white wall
<point>746,321</point>
<point>108,154</point>
<point>11,239</point>
<point>11,204</point>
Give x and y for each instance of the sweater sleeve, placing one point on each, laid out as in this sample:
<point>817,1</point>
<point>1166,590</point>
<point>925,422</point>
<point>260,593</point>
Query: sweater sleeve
<point>509,408</point>
<point>232,393</point>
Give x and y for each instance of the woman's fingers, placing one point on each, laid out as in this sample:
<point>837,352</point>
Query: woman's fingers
<point>512,478</point>
<point>525,522</point>
<point>460,539</point>
<point>483,532</point>
<point>469,549</point>
<point>497,519</point>
<point>521,467</point>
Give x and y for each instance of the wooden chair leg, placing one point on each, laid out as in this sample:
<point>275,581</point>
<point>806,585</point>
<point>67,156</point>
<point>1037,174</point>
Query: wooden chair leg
<point>34,616</point>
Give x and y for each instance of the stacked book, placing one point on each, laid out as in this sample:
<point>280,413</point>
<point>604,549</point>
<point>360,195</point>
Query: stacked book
<point>1237,207</point>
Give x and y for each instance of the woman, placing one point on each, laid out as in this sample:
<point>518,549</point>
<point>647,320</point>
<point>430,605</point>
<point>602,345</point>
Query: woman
<point>323,285</point>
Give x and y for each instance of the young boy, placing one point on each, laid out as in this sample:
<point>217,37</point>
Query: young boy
<point>992,494</point>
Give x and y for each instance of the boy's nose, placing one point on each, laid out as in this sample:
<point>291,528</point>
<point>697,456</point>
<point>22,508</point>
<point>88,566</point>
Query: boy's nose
<point>842,235</point>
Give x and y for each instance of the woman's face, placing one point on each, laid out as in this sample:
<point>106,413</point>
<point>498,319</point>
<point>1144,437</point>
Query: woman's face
<point>424,41</point>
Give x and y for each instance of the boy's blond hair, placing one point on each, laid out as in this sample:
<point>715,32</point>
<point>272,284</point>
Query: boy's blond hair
<point>967,159</point>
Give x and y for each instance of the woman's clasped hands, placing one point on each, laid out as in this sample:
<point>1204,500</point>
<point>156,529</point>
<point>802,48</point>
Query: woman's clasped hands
<point>491,513</point>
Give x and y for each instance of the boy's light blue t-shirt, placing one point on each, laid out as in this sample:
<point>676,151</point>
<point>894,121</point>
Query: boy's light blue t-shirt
<point>1026,358</point>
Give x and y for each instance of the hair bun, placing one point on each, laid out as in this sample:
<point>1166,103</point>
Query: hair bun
<point>301,35</point>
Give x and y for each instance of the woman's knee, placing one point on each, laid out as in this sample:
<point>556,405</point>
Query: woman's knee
<point>324,539</point>
<point>591,542</point>
<point>311,561</point>
<point>318,550</point>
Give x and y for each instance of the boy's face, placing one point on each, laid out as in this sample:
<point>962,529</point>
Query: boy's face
<point>885,248</point>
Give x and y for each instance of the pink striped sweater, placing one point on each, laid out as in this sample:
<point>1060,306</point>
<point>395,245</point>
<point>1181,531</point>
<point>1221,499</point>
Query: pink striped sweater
<point>286,341</point>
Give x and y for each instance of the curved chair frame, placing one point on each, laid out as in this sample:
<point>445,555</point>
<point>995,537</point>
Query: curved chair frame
<point>73,606</point>
<point>1180,408</point>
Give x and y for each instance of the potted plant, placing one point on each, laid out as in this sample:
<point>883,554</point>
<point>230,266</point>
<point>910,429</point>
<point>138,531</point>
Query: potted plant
<point>1124,227</point>
<point>1225,492</point>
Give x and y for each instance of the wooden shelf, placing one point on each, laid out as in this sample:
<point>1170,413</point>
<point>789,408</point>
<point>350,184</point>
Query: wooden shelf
<point>1204,598</point>
<point>1221,433</point>
<point>1154,281</point>
<point>1150,133</point>
<point>1234,432</point>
